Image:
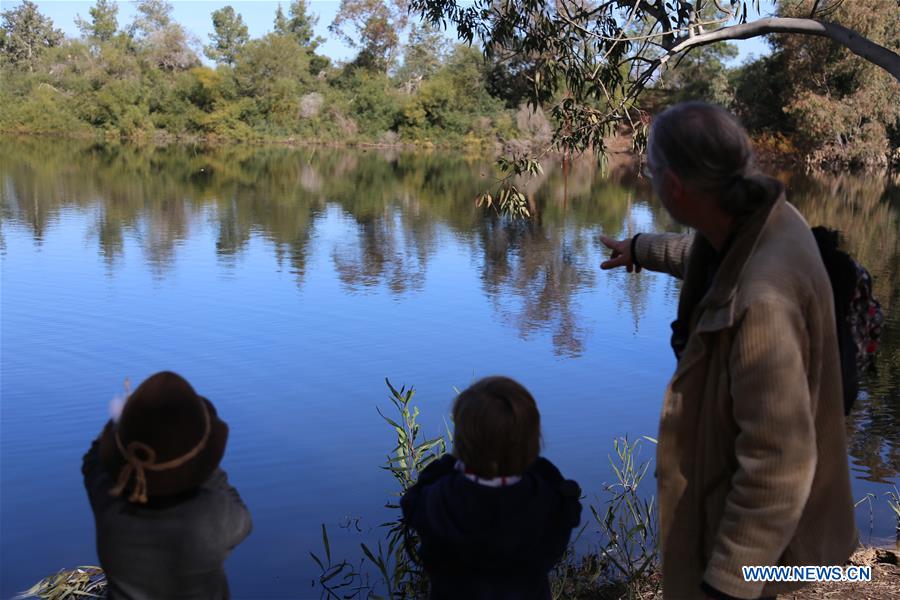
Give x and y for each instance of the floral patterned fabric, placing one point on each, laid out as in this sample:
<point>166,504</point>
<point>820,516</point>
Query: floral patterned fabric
<point>866,320</point>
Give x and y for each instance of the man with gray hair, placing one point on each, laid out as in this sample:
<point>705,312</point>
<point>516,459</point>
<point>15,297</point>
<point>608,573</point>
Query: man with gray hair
<point>751,463</point>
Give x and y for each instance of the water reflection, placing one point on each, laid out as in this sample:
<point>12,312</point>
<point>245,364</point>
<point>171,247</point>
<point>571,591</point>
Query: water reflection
<point>532,274</point>
<point>385,251</point>
<point>398,207</point>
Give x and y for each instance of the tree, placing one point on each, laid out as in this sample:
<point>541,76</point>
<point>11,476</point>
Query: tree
<point>454,100</point>
<point>103,24</point>
<point>229,36</point>
<point>841,110</point>
<point>166,43</point>
<point>281,22</point>
<point>702,75</point>
<point>760,106</point>
<point>375,30</point>
<point>595,60</point>
<point>153,16</point>
<point>25,34</point>
<point>422,56</point>
<point>509,77</point>
<point>273,71</point>
<point>300,24</point>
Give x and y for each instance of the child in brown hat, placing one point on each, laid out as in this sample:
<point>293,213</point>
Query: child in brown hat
<point>165,516</point>
<point>495,517</point>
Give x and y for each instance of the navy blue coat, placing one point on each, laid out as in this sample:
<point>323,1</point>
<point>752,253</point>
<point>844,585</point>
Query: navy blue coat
<point>480,542</point>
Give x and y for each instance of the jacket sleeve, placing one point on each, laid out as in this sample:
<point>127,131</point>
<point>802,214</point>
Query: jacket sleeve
<point>412,502</point>
<point>97,481</point>
<point>775,446</point>
<point>557,542</point>
<point>664,252</point>
<point>559,532</point>
<point>235,521</point>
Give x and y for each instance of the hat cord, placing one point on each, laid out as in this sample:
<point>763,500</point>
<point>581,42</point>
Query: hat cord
<point>138,464</point>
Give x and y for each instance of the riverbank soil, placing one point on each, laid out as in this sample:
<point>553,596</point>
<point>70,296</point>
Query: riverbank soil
<point>885,582</point>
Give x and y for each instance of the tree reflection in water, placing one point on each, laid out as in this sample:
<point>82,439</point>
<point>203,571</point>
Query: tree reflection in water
<point>400,206</point>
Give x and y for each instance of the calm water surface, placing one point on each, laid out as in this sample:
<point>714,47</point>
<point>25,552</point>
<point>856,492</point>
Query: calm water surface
<point>287,284</point>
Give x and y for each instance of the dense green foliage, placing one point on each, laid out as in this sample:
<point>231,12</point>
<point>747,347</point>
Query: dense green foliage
<point>229,37</point>
<point>809,97</point>
<point>835,107</point>
<point>103,24</point>
<point>25,35</point>
<point>299,25</point>
<point>595,65</point>
<point>146,81</point>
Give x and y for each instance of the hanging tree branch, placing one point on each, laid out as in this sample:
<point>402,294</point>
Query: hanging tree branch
<point>603,56</point>
<point>862,47</point>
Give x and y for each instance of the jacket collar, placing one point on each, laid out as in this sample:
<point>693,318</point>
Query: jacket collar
<point>717,305</point>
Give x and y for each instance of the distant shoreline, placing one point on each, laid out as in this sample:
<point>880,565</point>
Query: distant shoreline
<point>161,139</point>
<point>773,151</point>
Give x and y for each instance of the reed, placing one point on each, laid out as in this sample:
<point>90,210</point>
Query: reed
<point>79,583</point>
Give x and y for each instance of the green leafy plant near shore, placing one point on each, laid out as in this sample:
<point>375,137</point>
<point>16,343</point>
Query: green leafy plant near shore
<point>629,523</point>
<point>894,502</point>
<point>623,563</point>
<point>394,556</point>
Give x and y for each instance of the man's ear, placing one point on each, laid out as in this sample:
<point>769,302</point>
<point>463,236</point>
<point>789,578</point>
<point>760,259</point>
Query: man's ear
<point>675,187</point>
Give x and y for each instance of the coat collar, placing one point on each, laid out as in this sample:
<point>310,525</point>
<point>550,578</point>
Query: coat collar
<point>716,306</point>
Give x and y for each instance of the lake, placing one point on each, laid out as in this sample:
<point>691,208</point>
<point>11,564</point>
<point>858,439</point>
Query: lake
<point>287,284</point>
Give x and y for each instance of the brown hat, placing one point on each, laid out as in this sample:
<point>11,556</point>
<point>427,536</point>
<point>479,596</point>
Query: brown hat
<point>168,440</point>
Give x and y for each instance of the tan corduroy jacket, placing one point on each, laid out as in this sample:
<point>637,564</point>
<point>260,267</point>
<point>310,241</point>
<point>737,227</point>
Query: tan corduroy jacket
<point>752,457</point>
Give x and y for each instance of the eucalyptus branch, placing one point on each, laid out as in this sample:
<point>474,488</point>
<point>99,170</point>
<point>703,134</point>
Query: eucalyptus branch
<point>854,42</point>
<point>593,52</point>
<point>659,13</point>
<point>509,199</point>
<point>724,9</point>
<point>636,38</point>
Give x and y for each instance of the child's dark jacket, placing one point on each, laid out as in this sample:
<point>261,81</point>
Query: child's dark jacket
<point>480,542</point>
